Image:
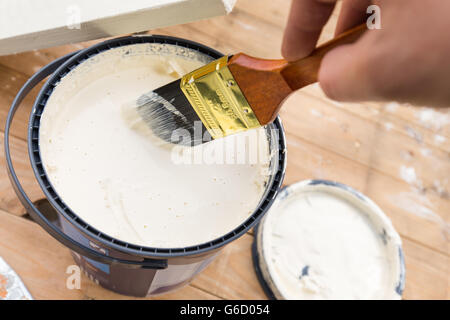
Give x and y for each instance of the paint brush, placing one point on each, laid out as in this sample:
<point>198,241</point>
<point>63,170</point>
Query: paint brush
<point>230,95</point>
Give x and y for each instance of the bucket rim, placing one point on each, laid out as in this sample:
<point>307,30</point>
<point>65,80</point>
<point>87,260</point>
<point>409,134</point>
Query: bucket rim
<point>101,237</point>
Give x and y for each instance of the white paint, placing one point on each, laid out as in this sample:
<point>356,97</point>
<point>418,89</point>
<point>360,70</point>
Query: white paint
<point>439,139</point>
<point>15,288</point>
<point>414,134</point>
<point>426,152</point>
<point>30,24</point>
<point>244,25</point>
<point>335,237</point>
<point>408,174</point>
<point>433,119</point>
<point>119,180</point>
<point>316,113</point>
<point>388,126</point>
<point>439,187</point>
<point>419,205</point>
<point>391,107</point>
<point>229,5</point>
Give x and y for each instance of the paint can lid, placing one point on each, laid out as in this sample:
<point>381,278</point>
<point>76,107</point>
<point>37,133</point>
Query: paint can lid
<point>325,240</point>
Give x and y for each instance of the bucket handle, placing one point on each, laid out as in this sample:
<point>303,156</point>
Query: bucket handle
<point>37,216</point>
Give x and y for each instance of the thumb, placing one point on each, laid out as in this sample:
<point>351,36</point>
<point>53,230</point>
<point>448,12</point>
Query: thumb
<point>344,73</point>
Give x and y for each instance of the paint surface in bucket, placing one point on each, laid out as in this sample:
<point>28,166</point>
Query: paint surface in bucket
<point>117,178</point>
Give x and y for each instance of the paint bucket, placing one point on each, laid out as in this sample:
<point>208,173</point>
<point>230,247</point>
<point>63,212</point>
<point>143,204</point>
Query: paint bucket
<point>117,265</point>
<point>268,275</point>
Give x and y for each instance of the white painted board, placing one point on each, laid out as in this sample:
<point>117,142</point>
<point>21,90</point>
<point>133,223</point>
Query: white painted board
<point>37,24</point>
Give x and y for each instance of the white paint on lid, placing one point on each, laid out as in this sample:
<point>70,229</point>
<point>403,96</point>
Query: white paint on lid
<point>325,242</point>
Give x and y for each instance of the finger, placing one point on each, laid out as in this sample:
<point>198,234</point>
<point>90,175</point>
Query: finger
<point>345,72</point>
<point>353,13</point>
<point>305,23</point>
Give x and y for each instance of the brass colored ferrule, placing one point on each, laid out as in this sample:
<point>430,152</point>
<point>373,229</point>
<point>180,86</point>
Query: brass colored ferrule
<point>218,100</point>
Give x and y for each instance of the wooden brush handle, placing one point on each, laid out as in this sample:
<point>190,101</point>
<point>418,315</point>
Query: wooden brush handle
<point>303,72</point>
<point>266,83</point>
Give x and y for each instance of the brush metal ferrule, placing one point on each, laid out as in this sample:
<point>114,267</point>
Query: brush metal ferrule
<point>218,100</point>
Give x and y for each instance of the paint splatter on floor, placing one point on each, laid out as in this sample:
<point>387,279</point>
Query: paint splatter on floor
<point>414,134</point>
<point>388,126</point>
<point>439,139</point>
<point>420,206</point>
<point>408,174</point>
<point>433,119</point>
<point>3,287</point>
<point>316,113</point>
<point>416,200</point>
<point>391,107</point>
<point>11,286</point>
<point>426,152</point>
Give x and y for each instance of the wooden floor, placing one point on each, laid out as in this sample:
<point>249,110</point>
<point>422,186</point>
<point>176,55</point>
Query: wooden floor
<point>397,155</point>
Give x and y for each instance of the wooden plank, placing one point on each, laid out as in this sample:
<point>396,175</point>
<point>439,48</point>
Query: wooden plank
<point>265,38</point>
<point>10,83</point>
<point>319,148</point>
<point>27,25</point>
<point>427,273</point>
<point>317,111</point>
<point>415,216</point>
<point>43,267</point>
<point>314,163</point>
<point>15,70</point>
<point>276,13</point>
<point>308,161</point>
<point>267,11</point>
<point>364,140</point>
<point>364,145</point>
<point>231,275</point>
<point>30,62</point>
<point>397,116</point>
<point>8,199</point>
<point>225,33</point>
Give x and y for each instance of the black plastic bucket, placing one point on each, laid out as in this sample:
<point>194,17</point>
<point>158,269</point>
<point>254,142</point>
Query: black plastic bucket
<point>119,266</point>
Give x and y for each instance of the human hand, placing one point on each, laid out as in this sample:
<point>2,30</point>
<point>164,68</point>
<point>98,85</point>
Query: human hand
<point>407,60</point>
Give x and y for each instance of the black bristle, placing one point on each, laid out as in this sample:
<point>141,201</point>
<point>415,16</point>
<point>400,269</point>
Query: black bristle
<point>171,117</point>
